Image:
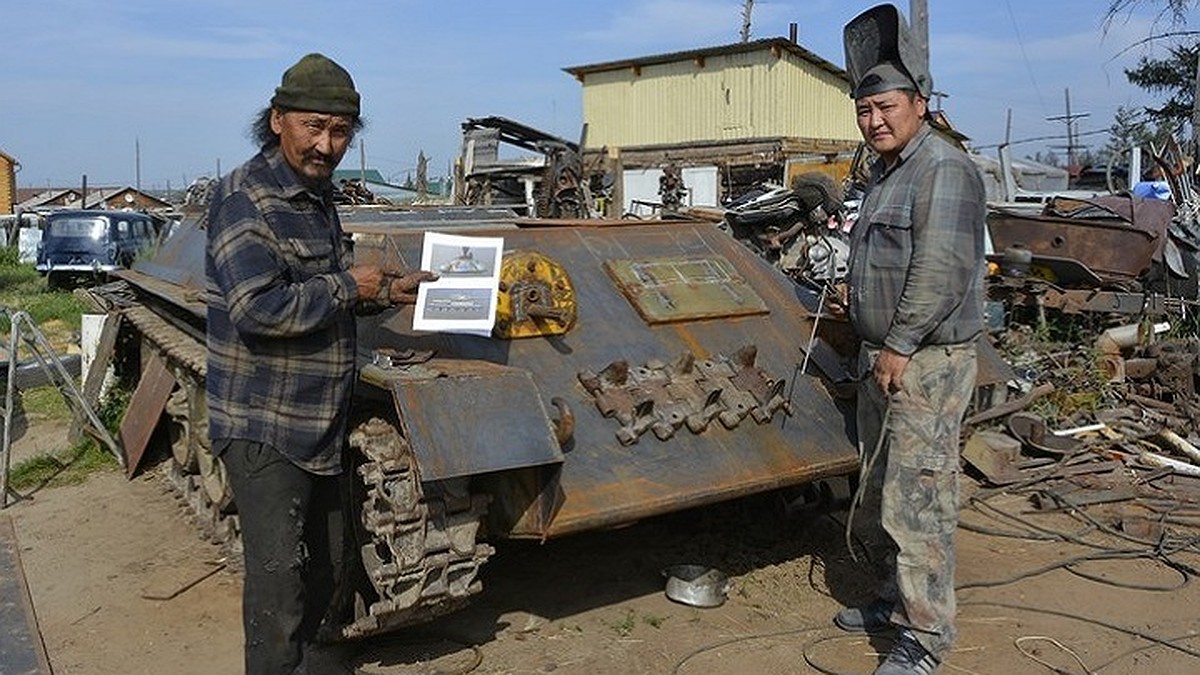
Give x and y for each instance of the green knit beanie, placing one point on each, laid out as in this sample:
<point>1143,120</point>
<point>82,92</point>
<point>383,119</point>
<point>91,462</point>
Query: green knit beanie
<point>317,84</point>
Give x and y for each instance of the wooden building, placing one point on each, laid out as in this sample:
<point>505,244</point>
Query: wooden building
<point>748,112</point>
<point>8,182</point>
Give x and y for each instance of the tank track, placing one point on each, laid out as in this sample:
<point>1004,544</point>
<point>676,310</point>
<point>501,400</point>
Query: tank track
<point>418,542</point>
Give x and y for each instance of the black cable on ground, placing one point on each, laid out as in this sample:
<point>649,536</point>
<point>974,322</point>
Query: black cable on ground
<point>1066,564</point>
<point>743,638</point>
<point>1194,653</point>
<point>1137,650</point>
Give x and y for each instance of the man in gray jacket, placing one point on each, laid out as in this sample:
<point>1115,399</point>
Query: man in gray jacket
<point>916,300</point>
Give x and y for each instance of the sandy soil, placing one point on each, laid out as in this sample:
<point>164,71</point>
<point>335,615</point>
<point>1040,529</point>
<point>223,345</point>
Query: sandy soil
<point>122,583</point>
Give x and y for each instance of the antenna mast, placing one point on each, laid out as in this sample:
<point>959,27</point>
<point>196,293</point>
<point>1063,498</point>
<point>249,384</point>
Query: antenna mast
<point>746,9</point>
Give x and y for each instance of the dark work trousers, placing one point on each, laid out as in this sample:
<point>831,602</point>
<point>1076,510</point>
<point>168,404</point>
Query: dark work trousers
<point>291,524</point>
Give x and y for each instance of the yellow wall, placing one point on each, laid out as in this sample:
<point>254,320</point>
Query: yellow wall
<point>735,96</point>
<point>8,184</point>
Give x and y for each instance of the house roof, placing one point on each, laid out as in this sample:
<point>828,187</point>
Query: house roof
<point>40,198</point>
<point>32,198</point>
<point>370,175</point>
<point>97,197</point>
<point>10,158</point>
<point>774,44</point>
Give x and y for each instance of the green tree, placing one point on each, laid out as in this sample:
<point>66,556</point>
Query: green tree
<point>1049,158</point>
<point>1177,76</point>
<point>1173,77</point>
<point>1131,128</point>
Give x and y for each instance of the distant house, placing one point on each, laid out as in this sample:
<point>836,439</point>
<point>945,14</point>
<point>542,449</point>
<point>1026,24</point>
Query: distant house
<point>8,182</point>
<point>127,197</point>
<point>376,183</point>
<point>50,198</point>
<point>745,112</point>
<point>111,198</point>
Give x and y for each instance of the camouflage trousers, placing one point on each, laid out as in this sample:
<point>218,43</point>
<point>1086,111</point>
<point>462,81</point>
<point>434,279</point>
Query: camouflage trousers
<point>910,502</point>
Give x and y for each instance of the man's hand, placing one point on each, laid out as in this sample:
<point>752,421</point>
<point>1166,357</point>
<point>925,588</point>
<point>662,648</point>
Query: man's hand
<point>402,289</point>
<point>369,279</point>
<point>889,369</point>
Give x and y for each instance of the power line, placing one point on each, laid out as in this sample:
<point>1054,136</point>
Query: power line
<point>1035,139</point>
<point>1024,57</point>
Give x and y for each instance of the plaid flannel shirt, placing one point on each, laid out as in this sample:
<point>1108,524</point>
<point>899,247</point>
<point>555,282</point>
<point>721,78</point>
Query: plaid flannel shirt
<point>281,329</point>
<point>916,263</point>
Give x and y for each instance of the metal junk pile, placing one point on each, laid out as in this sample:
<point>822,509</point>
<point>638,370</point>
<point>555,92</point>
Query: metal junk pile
<point>1093,308</point>
<point>1087,400</point>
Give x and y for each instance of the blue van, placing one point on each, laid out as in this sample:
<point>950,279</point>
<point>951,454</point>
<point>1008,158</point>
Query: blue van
<point>84,246</point>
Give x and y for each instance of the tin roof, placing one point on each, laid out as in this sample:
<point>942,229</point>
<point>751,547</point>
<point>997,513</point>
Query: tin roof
<point>775,43</point>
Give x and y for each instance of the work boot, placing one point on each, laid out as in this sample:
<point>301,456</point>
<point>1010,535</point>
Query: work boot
<point>908,657</point>
<point>876,616</point>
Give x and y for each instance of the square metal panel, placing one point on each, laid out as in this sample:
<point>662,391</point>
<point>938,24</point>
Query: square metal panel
<point>684,288</point>
<point>473,418</point>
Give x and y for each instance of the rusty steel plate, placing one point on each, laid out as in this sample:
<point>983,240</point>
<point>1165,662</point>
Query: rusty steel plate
<point>145,407</point>
<point>473,419</point>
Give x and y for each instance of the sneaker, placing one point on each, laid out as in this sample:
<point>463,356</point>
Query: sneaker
<point>908,657</point>
<point>874,617</point>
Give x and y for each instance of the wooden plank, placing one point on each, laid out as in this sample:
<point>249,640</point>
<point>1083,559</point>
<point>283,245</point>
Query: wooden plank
<point>145,408</point>
<point>94,378</point>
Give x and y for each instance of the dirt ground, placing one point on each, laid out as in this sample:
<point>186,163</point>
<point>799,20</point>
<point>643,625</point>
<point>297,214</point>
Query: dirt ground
<point>122,583</point>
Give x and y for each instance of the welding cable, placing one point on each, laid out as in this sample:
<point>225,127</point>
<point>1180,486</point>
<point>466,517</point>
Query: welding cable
<point>841,637</point>
<point>812,337</point>
<point>1091,557</point>
<point>997,512</point>
<point>1137,650</point>
<point>1171,644</point>
<point>865,466</point>
<point>802,369</point>
<point>1019,643</point>
<point>742,638</point>
<point>1092,525</point>
<point>1161,551</point>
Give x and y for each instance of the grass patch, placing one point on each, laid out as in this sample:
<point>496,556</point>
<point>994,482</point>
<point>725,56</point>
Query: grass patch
<point>653,620</point>
<point>624,626</point>
<point>45,403</point>
<point>57,312</point>
<point>68,467</point>
<point>72,465</point>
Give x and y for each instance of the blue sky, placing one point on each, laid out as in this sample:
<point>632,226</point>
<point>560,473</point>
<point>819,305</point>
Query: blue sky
<point>84,82</point>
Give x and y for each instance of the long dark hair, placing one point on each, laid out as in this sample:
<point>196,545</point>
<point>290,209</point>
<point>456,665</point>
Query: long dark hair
<point>266,138</point>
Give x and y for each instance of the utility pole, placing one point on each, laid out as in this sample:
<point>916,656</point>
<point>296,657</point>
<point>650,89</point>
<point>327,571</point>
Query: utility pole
<point>1196,118</point>
<point>137,163</point>
<point>918,19</point>
<point>1071,146</point>
<point>746,9</point>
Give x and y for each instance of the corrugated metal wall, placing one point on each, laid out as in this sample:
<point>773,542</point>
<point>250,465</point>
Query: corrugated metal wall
<point>738,96</point>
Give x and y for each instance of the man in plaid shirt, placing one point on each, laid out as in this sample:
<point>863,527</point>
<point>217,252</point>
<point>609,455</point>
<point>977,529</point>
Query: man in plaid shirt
<point>282,292</point>
<point>916,300</point>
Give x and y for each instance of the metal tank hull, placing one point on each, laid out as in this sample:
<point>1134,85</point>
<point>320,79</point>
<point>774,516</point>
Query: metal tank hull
<point>664,375</point>
<point>603,481</point>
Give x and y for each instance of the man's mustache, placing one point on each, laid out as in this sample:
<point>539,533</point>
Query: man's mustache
<point>313,155</point>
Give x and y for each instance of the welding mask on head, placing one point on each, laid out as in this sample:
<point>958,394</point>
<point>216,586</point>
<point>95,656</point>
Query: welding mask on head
<point>881,55</point>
